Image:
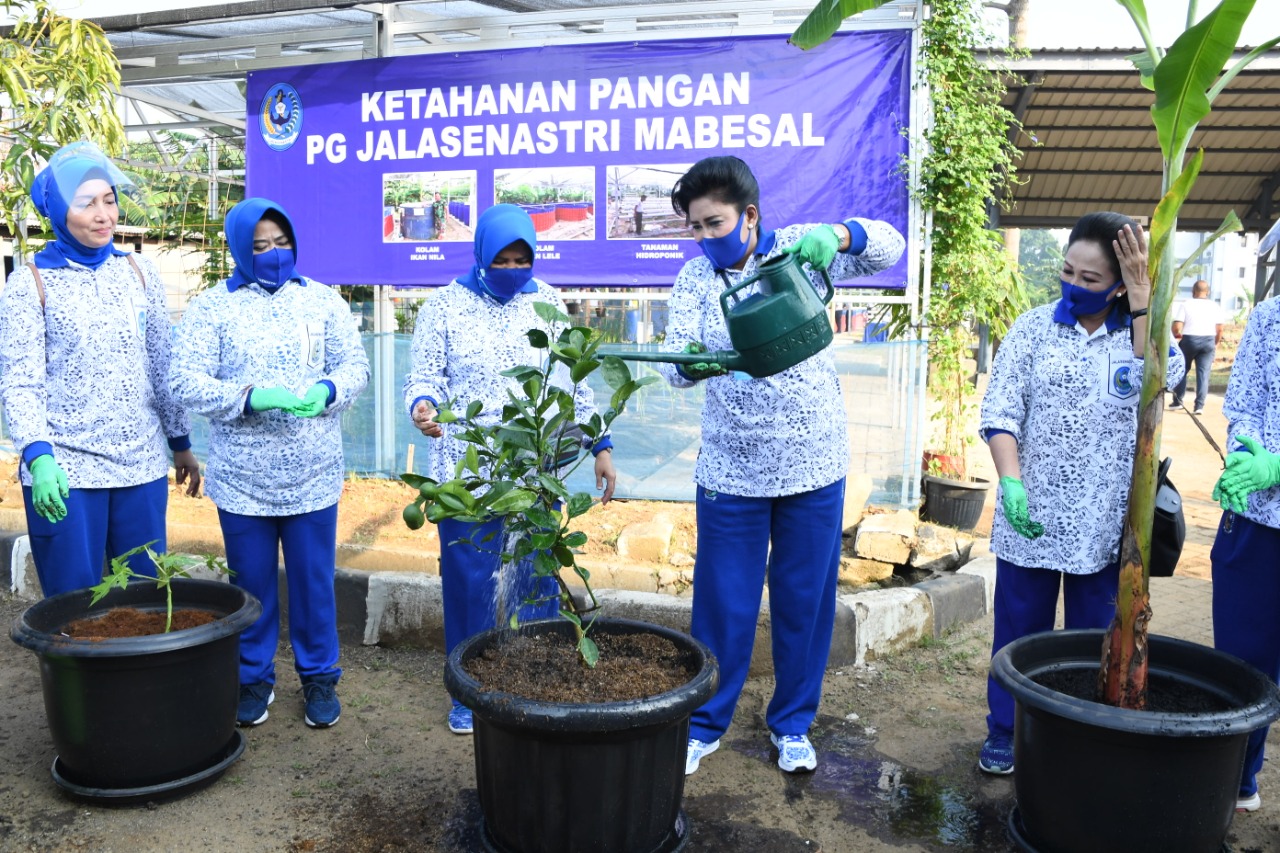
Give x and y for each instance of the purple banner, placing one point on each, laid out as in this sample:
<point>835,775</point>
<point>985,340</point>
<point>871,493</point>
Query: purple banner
<point>385,164</point>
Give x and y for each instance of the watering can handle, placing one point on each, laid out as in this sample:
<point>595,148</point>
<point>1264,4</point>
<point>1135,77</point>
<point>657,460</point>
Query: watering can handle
<point>724,297</point>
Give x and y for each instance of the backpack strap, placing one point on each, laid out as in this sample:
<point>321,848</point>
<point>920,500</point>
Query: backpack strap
<point>141,278</point>
<point>39,284</point>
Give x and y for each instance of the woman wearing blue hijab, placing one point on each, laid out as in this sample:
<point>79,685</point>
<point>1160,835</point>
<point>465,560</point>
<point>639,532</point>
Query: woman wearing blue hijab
<point>273,359</point>
<point>466,335</point>
<point>84,360</point>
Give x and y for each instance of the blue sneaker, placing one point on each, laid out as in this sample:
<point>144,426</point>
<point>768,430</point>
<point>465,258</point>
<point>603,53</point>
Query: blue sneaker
<point>460,720</point>
<point>997,755</point>
<point>321,695</point>
<point>254,699</point>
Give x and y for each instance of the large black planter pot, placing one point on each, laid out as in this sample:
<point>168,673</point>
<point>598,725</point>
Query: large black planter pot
<point>139,718</point>
<point>592,778</point>
<point>1091,778</point>
<point>954,503</point>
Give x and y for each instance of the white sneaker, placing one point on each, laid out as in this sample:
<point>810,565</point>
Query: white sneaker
<point>1249,804</point>
<point>795,752</point>
<point>697,751</point>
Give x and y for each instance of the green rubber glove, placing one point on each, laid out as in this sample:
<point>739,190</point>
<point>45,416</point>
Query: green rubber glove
<point>266,399</point>
<point>1014,503</point>
<point>817,247</point>
<point>314,401</point>
<point>1248,471</point>
<point>48,488</point>
<point>701,369</point>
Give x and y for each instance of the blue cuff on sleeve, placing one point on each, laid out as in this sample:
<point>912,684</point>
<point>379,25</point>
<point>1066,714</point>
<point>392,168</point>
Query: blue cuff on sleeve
<point>333,391</point>
<point>36,449</point>
<point>605,443</point>
<point>248,406</point>
<point>857,237</point>
<point>680,370</point>
<point>988,434</point>
<point>180,443</point>
<point>415,403</point>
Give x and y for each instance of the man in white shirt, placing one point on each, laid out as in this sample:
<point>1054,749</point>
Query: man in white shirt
<point>1197,326</point>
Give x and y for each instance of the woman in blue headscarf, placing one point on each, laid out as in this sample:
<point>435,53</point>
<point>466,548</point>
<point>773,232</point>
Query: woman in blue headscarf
<point>466,334</point>
<point>273,358</point>
<point>84,359</point>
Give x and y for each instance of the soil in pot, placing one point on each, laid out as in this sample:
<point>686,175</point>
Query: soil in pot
<point>547,667</point>
<point>132,622</point>
<point>1163,694</point>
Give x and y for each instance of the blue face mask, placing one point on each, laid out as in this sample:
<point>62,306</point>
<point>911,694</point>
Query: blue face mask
<point>1081,302</point>
<point>503,283</point>
<point>724,252</point>
<point>273,267</point>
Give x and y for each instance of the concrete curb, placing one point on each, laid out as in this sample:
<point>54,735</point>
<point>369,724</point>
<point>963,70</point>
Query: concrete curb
<point>406,608</point>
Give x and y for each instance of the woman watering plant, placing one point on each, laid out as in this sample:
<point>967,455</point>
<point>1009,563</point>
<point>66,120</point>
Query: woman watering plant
<point>467,334</point>
<point>1060,418</point>
<point>1246,551</point>
<point>84,361</point>
<point>770,474</point>
<point>273,358</point>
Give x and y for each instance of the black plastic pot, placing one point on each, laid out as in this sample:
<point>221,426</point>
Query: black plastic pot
<point>1091,778</point>
<point>590,778</point>
<point>954,503</point>
<point>141,717</point>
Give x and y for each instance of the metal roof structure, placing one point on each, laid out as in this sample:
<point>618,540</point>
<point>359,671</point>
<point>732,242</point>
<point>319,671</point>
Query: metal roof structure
<point>1089,143</point>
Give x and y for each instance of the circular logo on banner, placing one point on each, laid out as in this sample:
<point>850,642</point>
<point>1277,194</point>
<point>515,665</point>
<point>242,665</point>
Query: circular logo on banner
<point>280,116</point>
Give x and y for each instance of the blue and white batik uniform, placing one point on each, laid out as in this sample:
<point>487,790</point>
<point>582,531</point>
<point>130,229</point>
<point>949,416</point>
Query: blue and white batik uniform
<point>275,477</point>
<point>1246,552</point>
<point>770,498</point>
<point>1070,400</point>
<point>84,378</point>
<point>465,335</point>
<point>462,341</point>
<point>270,463</point>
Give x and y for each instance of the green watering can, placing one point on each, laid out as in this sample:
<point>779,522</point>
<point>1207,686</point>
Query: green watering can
<point>777,327</point>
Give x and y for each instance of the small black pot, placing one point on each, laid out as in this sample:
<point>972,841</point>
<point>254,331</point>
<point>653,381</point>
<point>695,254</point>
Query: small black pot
<point>590,778</point>
<point>153,714</point>
<point>954,503</point>
<point>1092,778</point>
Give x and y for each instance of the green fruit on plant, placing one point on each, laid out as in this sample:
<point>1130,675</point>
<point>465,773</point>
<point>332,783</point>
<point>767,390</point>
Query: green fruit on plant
<point>413,516</point>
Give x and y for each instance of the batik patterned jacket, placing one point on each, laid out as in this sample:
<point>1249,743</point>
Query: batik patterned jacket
<point>269,463</point>
<point>1252,404</point>
<point>1071,401</point>
<point>88,373</point>
<point>461,343</point>
<point>784,434</point>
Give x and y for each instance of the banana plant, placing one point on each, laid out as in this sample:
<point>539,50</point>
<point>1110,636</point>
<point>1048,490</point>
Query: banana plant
<point>1186,79</point>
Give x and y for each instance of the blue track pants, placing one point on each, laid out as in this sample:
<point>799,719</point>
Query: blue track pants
<point>795,542</point>
<point>1027,603</point>
<point>1246,603</point>
<point>469,581</point>
<point>100,524</point>
<point>310,548</point>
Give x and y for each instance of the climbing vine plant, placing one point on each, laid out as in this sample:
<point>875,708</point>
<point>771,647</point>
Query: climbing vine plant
<point>968,163</point>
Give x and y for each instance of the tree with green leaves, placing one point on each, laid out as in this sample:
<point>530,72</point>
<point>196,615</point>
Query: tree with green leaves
<point>1040,260</point>
<point>60,78</point>
<point>1186,79</point>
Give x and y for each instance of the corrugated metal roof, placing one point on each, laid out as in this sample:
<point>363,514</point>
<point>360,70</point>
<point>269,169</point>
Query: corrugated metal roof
<point>1090,143</point>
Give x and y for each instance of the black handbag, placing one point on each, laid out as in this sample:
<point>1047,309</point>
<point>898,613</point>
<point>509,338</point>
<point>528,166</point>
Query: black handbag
<point>1169,527</point>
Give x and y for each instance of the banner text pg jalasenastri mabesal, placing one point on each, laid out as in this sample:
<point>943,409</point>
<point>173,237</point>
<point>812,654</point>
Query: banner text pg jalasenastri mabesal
<point>429,138</point>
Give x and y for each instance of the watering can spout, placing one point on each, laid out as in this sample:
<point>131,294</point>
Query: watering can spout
<point>728,358</point>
